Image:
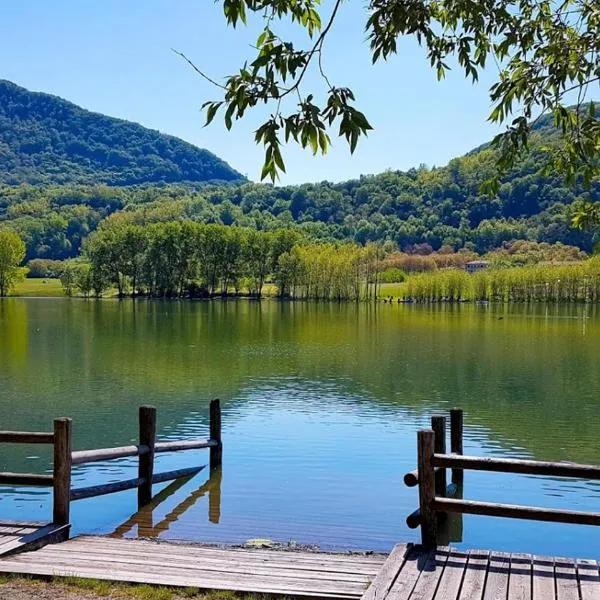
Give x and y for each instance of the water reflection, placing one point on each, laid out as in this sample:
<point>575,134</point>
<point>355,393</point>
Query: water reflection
<point>321,403</point>
<point>149,522</point>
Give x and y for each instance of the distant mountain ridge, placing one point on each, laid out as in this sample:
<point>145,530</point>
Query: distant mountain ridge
<point>45,139</point>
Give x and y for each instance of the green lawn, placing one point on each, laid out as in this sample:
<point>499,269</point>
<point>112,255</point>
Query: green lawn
<point>39,288</point>
<point>72,588</point>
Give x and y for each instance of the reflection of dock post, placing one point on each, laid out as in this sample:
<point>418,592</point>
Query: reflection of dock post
<point>456,441</point>
<point>216,451</point>
<point>214,495</point>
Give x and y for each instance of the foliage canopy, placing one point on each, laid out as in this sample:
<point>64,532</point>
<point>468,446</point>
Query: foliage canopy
<point>547,55</point>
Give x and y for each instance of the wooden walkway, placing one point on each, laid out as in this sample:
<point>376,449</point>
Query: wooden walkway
<point>22,536</point>
<point>449,574</point>
<point>290,573</point>
<point>408,573</point>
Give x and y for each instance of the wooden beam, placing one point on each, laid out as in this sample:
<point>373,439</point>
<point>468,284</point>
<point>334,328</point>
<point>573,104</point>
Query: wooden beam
<point>515,511</point>
<point>425,451</point>
<point>26,479</point>
<point>26,437</point>
<point>216,451</point>
<point>411,479</point>
<point>526,467</point>
<point>184,445</point>
<point>63,449</point>
<point>86,456</point>
<point>147,423</point>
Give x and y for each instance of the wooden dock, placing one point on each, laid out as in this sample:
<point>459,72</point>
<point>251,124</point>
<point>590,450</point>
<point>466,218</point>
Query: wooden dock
<point>415,573</point>
<point>290,573</point>
<point>22,536</point>
<point>408,573</point>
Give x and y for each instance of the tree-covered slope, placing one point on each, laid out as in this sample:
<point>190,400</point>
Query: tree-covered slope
<point>47,140</point>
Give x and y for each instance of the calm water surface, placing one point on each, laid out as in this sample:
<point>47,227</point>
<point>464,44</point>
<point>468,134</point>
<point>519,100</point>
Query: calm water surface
<point>321,404</point>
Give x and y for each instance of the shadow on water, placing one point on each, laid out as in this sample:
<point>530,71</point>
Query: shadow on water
<point>151,523</point>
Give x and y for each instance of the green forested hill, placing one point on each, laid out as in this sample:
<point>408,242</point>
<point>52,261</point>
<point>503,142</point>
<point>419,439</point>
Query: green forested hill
<point>436,206</point>
<point>47,140</point>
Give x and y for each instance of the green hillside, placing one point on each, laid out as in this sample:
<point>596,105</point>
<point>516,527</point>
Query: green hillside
<point>440,206</point>
<point>47,140</point>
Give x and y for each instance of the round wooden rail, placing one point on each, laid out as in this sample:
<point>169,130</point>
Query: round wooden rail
<point>86,456</point>
<point>515,511</point>
<point>26,437</point>
<point>26,479</point>
<point>510,465</point>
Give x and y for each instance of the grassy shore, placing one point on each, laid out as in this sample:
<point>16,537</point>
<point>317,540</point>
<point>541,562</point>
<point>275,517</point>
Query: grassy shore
<point>71,588</point>
<point>39,288</point>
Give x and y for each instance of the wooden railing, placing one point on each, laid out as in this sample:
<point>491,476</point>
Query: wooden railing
<point>60,479</point>
<point>434,502</point>
<point>148,447</point>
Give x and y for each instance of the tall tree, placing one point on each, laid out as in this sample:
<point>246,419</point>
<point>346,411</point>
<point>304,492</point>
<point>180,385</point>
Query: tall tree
<point>12,253</point>
<point>547,55</point>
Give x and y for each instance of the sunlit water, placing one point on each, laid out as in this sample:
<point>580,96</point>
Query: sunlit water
<point>321,404</point>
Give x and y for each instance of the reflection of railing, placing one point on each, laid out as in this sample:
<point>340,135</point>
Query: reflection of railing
<point>144,518</point>
<point>65,458</point>
<point>431,477</point>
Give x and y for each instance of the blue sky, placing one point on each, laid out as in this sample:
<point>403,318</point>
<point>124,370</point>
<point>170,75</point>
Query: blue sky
<point>115,57</point>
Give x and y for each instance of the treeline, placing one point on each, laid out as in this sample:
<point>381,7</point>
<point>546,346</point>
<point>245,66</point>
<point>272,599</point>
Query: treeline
<point>577,282</point>
<point>184,259</point>
<point>437,207</point>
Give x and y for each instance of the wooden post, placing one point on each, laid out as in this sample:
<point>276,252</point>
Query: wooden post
<point>425,451</point>
<point>216,452</point>
<point>438,424</point>
<point>456,441</point>
<point>63,447</point>
<point>147,420</point>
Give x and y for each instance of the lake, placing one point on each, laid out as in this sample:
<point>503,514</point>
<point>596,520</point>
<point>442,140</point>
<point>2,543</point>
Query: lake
<point>321,404</point>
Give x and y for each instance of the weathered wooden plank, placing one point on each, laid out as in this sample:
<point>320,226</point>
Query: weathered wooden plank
<point>26,437</point>
<point>184,577</point>
<point>496,587</point>
<point>519,585</point>
<point>56,553</point>
<point>452,577</point>
<point>387,574</point>
<point>227,561</point>
<point>475,574</point>
<point>589,579</point>
<point>32,539</point>
<point>430,576</point>
<point>197,549</point>
<point>416,559</point>
<point>565,575</point>
<point>543,578</point>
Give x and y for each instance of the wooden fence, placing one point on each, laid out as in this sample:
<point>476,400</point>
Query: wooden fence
<point>65,458</point>
<point>434,500</point>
